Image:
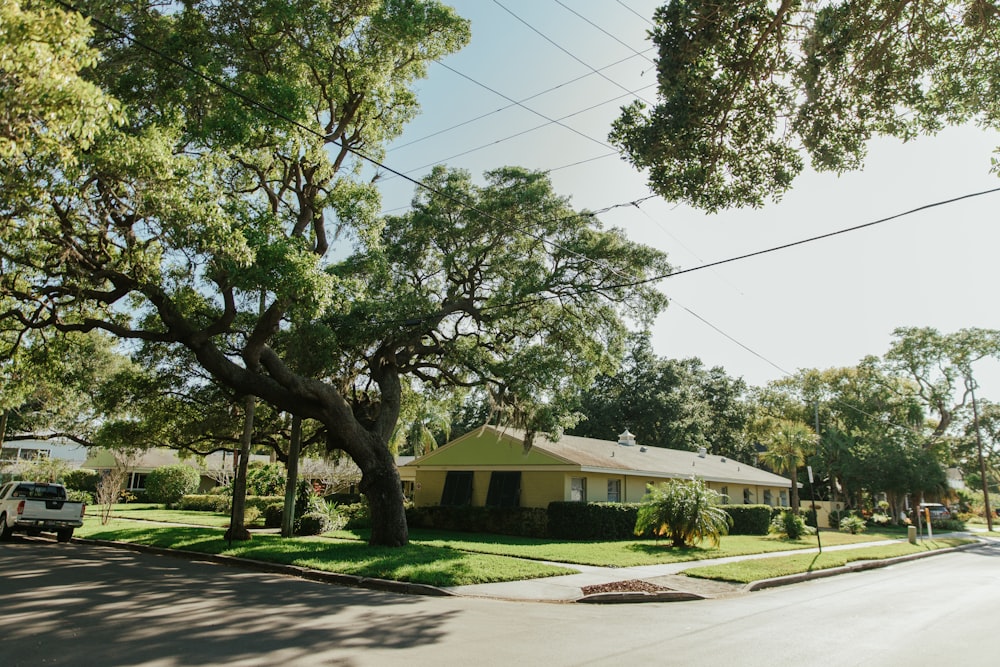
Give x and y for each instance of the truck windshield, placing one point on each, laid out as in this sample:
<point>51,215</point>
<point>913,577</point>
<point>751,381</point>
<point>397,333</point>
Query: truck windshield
<point>39,491</point>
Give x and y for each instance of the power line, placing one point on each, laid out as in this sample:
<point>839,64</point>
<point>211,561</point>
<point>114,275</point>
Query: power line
<point>566,51</point>
<point>644,18</point>
<point>278,114</point>
<point>517,134</point>
<point>764,251</point>
<point>585,19</point>
<point>508,106</point>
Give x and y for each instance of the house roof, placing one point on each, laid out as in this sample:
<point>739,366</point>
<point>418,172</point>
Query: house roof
<point>157,457</point>
<point>593,455</point>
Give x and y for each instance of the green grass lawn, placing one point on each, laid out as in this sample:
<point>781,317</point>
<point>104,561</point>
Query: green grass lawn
<point>629,553</point>
<point>452,559</point>
<point>417,563</point>
<point>744,572</point>
<point>155,512</point>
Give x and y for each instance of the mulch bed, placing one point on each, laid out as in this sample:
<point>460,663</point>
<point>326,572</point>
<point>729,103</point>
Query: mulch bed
<point>628,586</point>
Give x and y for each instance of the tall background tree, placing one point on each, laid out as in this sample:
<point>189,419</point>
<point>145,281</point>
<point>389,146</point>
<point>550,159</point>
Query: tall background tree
<point>748,89</point>
<point>671,403</point>
<point>787,445</point>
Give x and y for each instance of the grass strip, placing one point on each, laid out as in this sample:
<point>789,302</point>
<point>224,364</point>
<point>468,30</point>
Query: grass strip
<point>416,563</point>
<point>627,553</point>
<point>152,512</point>
<point>743,572</point>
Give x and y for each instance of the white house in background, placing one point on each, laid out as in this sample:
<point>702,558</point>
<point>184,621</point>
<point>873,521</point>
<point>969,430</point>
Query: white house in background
<point>54,448</point>
<point>216,469</point>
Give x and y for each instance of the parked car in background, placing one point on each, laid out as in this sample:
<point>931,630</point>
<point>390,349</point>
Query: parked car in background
<point>937,511</point>
<point>34,507</point>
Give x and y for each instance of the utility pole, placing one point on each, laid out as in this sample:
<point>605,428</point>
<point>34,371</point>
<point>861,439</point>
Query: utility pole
<point>812,484</point>
<point>982,462</point>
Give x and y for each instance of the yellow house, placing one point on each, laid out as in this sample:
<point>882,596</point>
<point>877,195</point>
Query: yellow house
<point>491,467</point>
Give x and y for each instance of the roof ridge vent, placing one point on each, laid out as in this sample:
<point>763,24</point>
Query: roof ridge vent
<point>702,452</point>
<point>626,439</point>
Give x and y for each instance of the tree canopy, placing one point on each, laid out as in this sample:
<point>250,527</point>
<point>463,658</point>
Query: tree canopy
<point>226,216</point>
<point>674,403</point>
<point>749,90</point>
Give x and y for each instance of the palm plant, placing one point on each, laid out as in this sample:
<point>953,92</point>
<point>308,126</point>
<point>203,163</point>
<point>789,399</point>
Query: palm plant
<point>788,443</point>
<point>683,511</point>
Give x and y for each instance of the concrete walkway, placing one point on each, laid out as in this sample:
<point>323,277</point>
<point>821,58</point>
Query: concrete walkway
<point>570,587</point>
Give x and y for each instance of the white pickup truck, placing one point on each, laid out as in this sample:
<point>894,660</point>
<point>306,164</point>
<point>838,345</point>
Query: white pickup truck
<point>33,507</point>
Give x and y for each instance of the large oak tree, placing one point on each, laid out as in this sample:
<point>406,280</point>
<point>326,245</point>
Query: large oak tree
<point>226,216</point>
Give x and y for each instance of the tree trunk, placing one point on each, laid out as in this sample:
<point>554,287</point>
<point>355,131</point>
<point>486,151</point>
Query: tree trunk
<point>292,469</point>
<point>237,529</point>
<point>794,495</point>
<point>381,486</point>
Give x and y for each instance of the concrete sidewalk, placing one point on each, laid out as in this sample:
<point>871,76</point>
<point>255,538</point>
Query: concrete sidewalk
<point>676,587</point>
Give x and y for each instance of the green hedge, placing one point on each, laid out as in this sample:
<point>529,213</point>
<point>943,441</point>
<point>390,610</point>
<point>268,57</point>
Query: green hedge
<point>220,503</point>
<point>749,519</point>
<point>592,521</point>
<point>520,521</point>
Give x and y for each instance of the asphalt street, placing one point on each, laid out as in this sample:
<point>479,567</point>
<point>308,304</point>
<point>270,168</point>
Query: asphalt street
<point>79,604</point>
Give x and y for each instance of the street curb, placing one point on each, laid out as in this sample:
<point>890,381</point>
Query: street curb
<point>858,566</point>
<point>350,580</point>
<point>638,596</point>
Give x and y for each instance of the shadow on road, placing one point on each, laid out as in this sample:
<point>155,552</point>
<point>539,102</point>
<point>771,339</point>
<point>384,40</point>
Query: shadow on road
<point>78,604</point>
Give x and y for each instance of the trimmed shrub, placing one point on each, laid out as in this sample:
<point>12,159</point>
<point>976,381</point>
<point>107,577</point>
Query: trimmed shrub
<point>519,521</point>
<point>570,520</point>
<point>948,524</point>
<point>852,524</point>
<point>262,502</point>
<point>344,498</point>
<point>319,518</point>
<point>749,519</point>
<point>81,480</point>
<point>251,515</point>
<point>836,516</point>
<point>78,496</point>
<point>273,514</point>
<point>204,503</point>
<point>791,525</point>
<point>356,515</point>
<point>168,484</point>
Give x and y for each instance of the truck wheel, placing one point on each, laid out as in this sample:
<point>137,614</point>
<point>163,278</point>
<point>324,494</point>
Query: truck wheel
<point>5,530</point>
<point>64,534</point>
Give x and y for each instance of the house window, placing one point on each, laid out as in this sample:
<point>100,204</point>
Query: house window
<point>783,495</point>
<point>137,481</point>
<point>747,497</point>
<point>725,494</point>
<point>578,489</point>
<point>457,488</point>
<point>614,490</point>
<point>767,497</point>
<point>505,490</point>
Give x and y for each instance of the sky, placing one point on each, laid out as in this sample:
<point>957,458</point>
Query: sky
<point>540,84</point>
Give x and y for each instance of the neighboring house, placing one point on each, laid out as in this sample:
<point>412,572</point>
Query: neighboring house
<point>55,448</point>
<point>215,469</point>
<point>490,466</point>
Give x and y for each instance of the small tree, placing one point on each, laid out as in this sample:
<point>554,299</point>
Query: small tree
<point>267,479</point>
<point>113,480</point>
<point>684,511</point>
<point>169,484</point>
